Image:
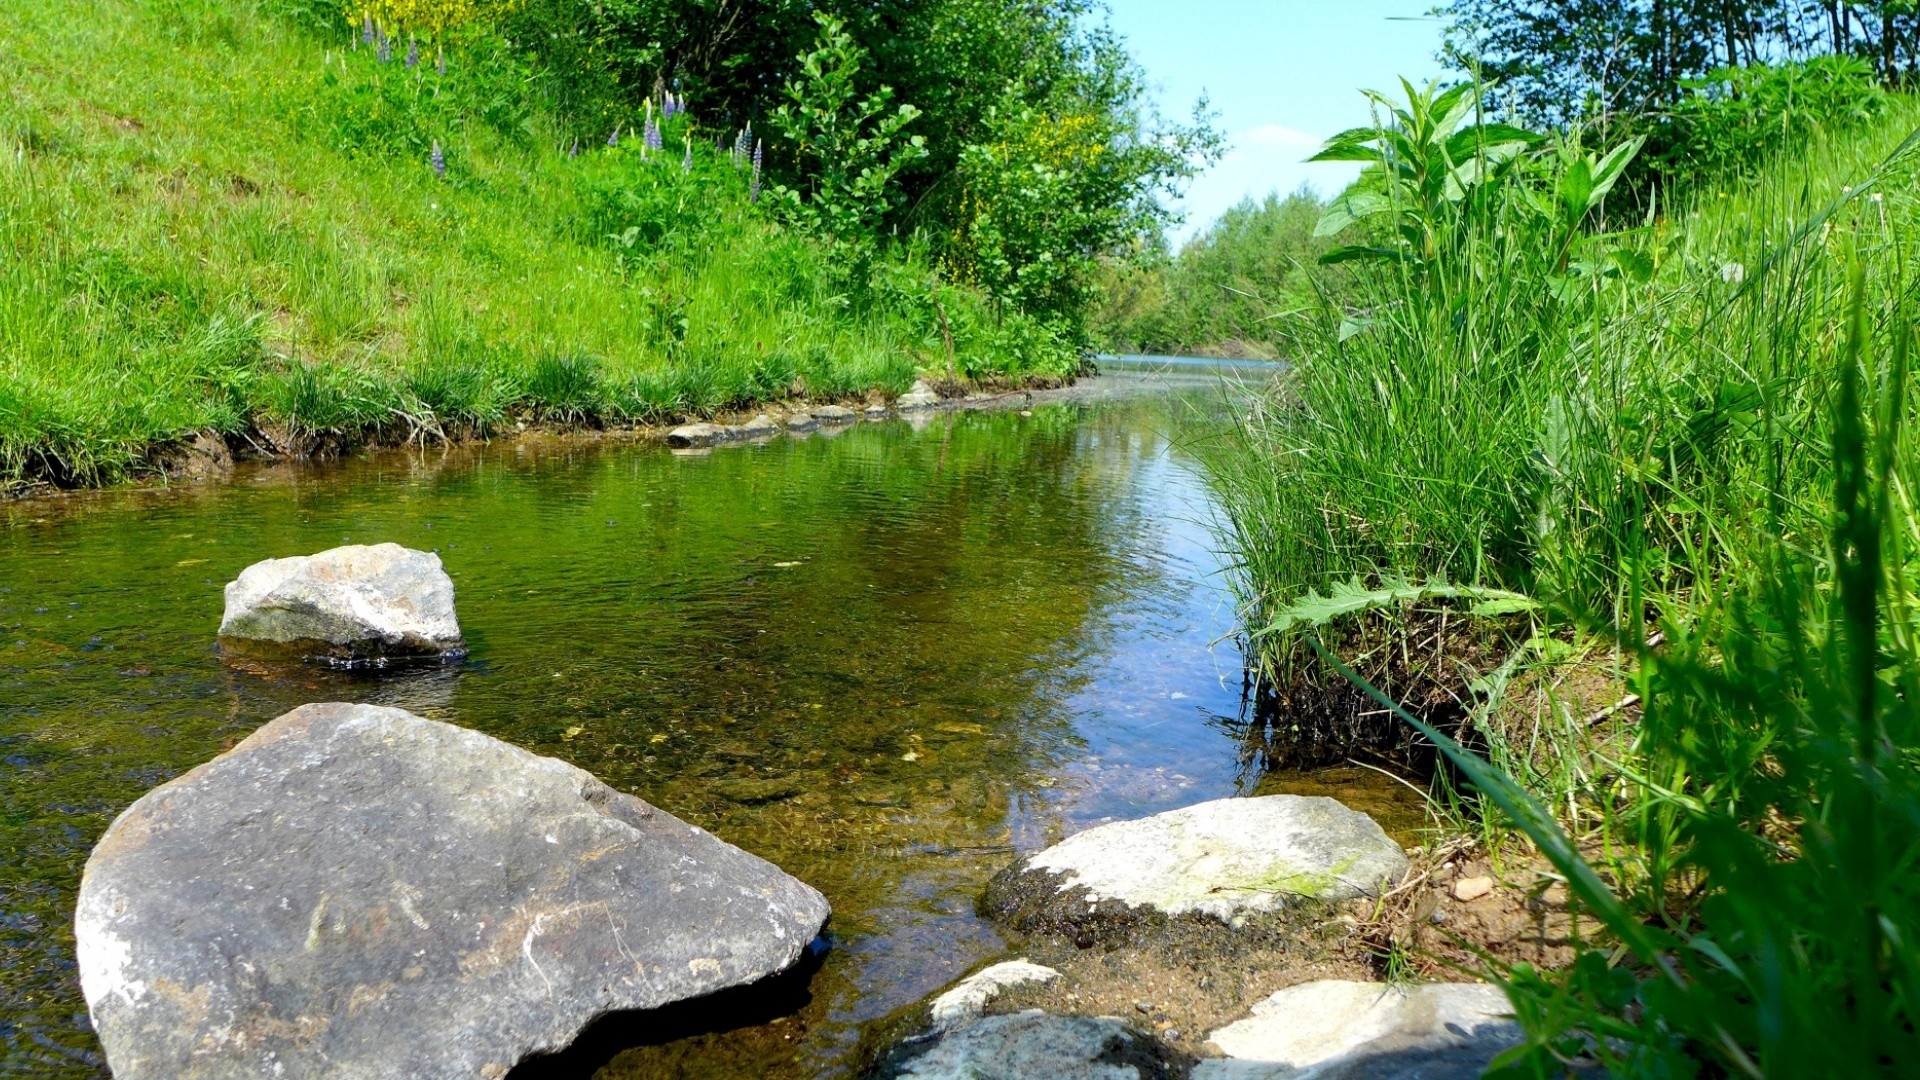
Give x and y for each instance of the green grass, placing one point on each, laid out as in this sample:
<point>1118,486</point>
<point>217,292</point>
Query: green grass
<point>1685,444</point>
<point>210,219</point>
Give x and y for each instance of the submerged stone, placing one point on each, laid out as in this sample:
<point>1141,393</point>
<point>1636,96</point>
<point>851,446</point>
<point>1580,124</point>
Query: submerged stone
<point>357,891</point>
<point>1341,1030</point>
<point>802,422</point>
<point>760,427</point>
<point>350,603</point>
<point>835,414</point>
<point>1035,1045</point>
<point>1219,858</point>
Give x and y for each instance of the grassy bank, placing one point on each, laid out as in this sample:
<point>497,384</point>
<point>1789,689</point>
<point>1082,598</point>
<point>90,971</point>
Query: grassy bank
<point>1626,513</point>
<point>214,220</point>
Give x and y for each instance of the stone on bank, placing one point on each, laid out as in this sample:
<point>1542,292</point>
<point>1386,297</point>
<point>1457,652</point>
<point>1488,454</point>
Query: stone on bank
<point>352,604</point>
<point>1340,1030</point>
<point>356,891</point>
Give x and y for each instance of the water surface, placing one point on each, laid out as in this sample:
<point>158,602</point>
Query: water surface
<point>886,659</point>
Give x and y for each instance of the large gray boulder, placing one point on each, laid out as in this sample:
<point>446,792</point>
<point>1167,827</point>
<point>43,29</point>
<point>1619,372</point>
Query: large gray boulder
<point>359,892</point>
<point>1035,1045</point>
<point>1221,858</point>
<point>351,603</point>
<point>1340,1030</point>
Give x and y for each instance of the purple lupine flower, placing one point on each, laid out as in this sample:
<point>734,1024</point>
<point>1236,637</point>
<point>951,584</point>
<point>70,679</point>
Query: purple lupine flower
<point>652,135</point>
<point>366,30</point>
<point>439,159</point>
<point>614,139</point>
<point>686,162</point>
<point>753,186</point>
<point>413,52</point>
<point>386,47</point>
<point>575,152</point>
<point>441,63</point>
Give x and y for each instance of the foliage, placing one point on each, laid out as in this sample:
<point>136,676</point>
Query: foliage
<point>1731,121</point>
<point>1243,286</point>
<point>1698,458</point>
<point>850,146</point>
<point>1594,60</point>
<point>432,17</point>
<point>212,222</point>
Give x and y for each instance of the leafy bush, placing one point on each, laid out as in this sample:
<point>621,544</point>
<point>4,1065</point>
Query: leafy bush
<point>1730,122</point>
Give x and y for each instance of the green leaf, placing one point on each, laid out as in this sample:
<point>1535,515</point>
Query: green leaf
<point>1353,597</point>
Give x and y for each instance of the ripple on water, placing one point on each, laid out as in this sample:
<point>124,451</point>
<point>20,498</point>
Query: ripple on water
<point>885,661</point>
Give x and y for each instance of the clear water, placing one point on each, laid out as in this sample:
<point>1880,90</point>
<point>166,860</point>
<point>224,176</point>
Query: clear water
<point>948,641</point>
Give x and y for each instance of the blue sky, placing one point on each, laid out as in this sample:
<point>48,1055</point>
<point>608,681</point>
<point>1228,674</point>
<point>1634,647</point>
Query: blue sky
<point>1282,74</point>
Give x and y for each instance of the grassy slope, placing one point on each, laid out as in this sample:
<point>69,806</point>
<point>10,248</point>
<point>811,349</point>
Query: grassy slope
<point>186,243</point>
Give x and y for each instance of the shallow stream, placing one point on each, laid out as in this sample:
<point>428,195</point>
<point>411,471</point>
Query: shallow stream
<point>887,659</point>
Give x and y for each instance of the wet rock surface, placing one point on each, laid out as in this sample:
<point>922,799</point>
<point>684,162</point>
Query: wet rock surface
<point>354,603</point>
<point>1342,1030</point>
<point>1220,859</point>
<point>835,414</point>
<point>1033,1045</point>
<point>970,998</point>
<point>357,891</point>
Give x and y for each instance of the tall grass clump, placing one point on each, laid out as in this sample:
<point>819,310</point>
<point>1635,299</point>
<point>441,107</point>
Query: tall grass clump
<point>1516,392</point>
<point>1760,917</point>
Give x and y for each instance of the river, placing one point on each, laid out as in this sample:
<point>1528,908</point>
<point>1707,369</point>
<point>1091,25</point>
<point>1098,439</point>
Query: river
<point>887,659</point>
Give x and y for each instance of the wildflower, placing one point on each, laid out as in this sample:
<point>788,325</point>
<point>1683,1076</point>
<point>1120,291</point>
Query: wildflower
<point>386,46</point>
<point>1733,273</point>
<point>575,152</point>
<point>614,139</point>
<point>652,135</point>
<point>413,52</point>
<point>686,162</point>
<point>439,160</point>
<point>441,63</point>
<point>366,31</point>
<point>753,186</point>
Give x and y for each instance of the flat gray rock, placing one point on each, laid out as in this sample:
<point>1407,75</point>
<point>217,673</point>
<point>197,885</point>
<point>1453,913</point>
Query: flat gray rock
<point>835,414</point>
<point>760,427</point>
<point>802,422</point>
<point>1340,1030</point>
<point>1035,1045</point>
<point>878,412</point>
<point>1223,858</point>
<point>921,396</point>
<point>693,435</point>
<point>351,603</point>
<point>359,892</point>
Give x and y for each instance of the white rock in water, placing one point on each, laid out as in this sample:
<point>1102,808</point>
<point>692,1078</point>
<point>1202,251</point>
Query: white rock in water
<point>920,397</point>
<point>970,998</point>
<point>1228,856</point>
<point>359,892</point>
<point>1340,1029</point>
<point>361,602</point>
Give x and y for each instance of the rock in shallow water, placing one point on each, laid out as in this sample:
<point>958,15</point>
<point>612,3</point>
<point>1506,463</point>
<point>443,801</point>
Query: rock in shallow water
<point>694,435</point>
<point>1035,1045</point>
<point>974,993</point>
<point>359,892</point>
<point>1340,1030</point>
<point>1217,858</point>
<point>921,396</point>
<point>351,603</point>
